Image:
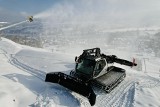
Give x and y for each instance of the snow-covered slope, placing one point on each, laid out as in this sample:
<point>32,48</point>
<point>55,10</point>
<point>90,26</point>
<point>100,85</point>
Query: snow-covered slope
<point>22,73</point>
<point>23,70</point>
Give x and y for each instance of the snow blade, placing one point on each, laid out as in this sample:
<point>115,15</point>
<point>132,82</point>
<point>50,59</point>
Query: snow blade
<point>73,84</point>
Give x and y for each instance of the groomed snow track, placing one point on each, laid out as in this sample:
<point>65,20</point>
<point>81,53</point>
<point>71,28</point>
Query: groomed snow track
<point>37,73</point>
<point>117,96</point>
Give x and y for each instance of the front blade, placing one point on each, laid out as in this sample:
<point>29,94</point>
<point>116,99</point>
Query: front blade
<point>73,84</point>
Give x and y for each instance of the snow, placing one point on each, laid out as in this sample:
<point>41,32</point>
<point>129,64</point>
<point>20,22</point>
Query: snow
<point>3,28</point>
<point>23,73</point>
<point>23,70</point>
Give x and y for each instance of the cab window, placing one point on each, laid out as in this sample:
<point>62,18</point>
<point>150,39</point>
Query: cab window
<point>99,67</point>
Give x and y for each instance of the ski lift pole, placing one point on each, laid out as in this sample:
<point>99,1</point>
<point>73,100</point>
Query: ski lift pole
<point>145,64</point>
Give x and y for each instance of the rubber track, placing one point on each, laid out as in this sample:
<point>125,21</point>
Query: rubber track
<point>109,99</point>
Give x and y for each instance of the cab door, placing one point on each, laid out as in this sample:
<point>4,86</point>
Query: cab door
<point>99,67</point>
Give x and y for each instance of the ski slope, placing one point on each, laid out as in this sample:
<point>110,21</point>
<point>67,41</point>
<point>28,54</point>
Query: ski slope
<point>23,70</point>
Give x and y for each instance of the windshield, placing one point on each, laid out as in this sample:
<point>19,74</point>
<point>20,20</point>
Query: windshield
<point>86,66</point>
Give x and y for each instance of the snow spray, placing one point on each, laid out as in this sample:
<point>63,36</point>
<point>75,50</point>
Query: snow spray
<point>3,28</point>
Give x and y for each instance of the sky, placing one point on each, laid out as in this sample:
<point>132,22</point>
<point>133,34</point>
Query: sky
<point>146,12</point>
<point>28,6</point>
<point>119,13</point>
<point>14,9</point>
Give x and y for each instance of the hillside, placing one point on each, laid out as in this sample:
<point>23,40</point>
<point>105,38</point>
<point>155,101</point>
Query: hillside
<point>23,70</point>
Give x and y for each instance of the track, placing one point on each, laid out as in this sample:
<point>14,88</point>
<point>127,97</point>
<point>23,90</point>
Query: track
<point>37,73</point>
<point>128,97</point>
<point>148,82</point>
<point>12,60</point>
<point>116,97</point>
<point>4,53</point>
<point>52,93</point>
